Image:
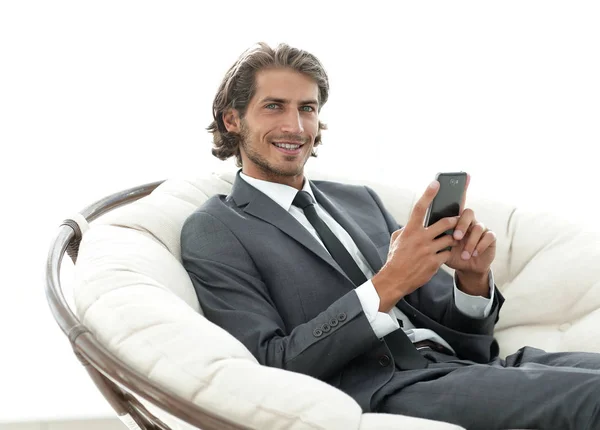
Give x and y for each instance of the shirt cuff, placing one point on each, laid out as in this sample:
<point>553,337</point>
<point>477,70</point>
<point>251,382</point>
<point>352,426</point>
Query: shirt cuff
<point>475,306</point>
<point>382,323</point>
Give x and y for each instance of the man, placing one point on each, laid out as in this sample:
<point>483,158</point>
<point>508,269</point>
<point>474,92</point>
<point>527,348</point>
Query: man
<point>317,277</point>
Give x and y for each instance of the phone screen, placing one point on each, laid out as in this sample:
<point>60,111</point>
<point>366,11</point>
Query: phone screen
<point>447,201</point>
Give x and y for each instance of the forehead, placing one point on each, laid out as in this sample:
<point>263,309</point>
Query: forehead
<point>285,84</point>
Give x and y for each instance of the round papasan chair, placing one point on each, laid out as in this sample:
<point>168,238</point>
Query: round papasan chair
<point>138,328</point>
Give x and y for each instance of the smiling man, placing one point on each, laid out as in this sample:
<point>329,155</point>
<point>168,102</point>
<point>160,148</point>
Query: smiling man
<point>317,277</point>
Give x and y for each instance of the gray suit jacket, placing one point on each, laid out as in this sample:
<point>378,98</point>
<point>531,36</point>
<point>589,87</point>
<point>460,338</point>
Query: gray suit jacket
<point>263,277</point>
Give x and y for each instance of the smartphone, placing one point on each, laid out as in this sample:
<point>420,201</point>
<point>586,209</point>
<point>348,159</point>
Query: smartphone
<point>447,201</point>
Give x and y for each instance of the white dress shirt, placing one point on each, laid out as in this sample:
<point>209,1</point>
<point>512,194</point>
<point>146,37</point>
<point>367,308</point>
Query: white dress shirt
<point>381,322</point>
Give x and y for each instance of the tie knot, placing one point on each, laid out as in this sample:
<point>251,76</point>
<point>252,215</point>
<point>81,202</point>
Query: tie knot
<point>303,200</point>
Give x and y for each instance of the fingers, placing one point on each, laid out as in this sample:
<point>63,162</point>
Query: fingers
<point>441,226</point>
<point>443,242</point>
<point>487,240</point>
<point>443,257</point>
<point>466,219</point>
<point>478,240</point>
<point>417,217</point>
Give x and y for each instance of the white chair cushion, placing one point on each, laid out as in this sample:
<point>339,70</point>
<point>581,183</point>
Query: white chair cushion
<point>132,292</point>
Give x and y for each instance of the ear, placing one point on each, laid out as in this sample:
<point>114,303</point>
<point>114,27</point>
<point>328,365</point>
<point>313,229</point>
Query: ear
<point>231,119</point>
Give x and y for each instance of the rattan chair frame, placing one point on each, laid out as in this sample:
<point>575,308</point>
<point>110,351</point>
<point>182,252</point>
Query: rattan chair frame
<point>114,378</point>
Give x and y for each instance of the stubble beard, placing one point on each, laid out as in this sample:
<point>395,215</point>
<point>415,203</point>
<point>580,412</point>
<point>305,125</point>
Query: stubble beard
<point>262,163</point>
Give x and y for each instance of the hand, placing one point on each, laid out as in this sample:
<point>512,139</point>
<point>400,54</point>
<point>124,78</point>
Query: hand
<point>476,249</point>
<point>414,255</point>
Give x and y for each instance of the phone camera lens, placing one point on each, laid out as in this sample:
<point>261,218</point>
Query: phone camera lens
<point>453,181</point>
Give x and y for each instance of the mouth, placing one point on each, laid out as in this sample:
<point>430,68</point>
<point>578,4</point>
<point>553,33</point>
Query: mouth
<point>288,148</point>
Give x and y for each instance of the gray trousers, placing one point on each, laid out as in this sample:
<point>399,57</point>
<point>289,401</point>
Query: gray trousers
<point>530,389</point>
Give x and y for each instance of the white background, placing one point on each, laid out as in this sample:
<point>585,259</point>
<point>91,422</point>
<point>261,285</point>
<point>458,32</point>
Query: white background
<point>97,97</point>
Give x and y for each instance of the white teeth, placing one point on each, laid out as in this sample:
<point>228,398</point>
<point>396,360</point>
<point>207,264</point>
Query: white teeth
<point>287,146</point>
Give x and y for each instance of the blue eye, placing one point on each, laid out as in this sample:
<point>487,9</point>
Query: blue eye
<point>270,104</point>
<point>311,109</point>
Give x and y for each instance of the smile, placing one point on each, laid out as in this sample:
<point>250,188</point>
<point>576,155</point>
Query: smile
<point>287,145</point>
<point>288,148</point>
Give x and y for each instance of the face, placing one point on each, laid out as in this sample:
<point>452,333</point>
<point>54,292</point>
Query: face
<point>279,128</point>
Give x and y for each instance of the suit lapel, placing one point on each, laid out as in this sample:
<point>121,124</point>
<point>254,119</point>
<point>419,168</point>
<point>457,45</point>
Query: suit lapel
<point>256,203</point>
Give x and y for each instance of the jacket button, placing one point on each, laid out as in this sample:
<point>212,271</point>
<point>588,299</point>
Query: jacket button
<point>325,327</point>
<point>384,360</point>
<point>317,332</point>
<point>341,316</point>
<point>333,322</point>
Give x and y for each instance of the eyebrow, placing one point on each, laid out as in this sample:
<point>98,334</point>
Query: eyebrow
<point>286,101</point>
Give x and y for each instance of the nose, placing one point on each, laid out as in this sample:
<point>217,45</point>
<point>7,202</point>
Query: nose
<point>292,122</point>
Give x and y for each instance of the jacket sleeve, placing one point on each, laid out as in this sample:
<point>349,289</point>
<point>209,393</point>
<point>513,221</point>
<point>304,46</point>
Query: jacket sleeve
<point>232,295</point>
<point>441,306</point>
<point>436,300</point>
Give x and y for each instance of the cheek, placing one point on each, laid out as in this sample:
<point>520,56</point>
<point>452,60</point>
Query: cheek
<point>311,126</point>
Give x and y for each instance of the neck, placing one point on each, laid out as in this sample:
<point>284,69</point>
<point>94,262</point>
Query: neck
<point>294,181</point>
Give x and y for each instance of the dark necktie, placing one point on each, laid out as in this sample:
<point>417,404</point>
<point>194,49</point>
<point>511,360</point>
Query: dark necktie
<point>340,254</point>
<point>399,343</point>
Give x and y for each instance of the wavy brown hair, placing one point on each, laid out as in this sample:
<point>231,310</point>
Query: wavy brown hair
<point>239,86</point>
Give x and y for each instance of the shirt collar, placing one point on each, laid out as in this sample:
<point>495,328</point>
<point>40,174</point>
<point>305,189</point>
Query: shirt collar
<point>281,194</point>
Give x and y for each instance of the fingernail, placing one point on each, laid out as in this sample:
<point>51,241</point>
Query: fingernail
<point>475,253</point>
<point>434,184</point>
<point>458,235</point>
<point>465,255</point>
